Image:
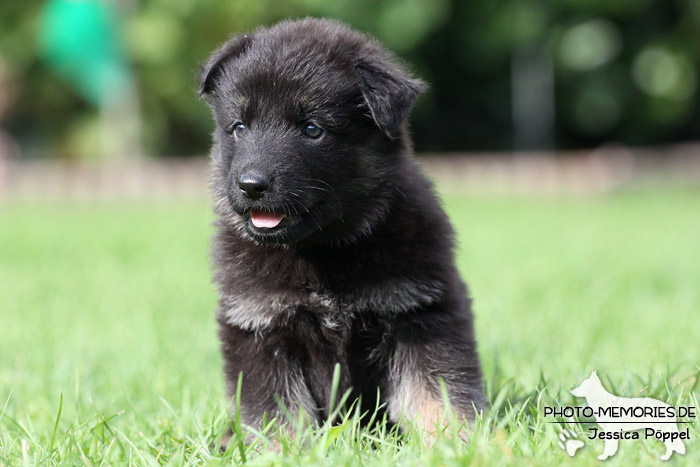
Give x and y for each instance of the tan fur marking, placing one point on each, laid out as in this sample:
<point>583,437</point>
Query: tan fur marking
<point>414,403</point>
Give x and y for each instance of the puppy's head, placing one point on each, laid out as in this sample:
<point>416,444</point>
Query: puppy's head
<point>310,119</point>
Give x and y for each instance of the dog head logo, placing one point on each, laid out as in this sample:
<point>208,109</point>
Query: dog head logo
<point>587,385</point>
<point>628,418</point>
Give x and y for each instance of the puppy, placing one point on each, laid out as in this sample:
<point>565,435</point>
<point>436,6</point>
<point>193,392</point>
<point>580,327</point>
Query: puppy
<point>330,245</point>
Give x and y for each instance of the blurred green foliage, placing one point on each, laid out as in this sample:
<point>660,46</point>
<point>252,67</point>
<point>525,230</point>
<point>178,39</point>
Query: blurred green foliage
<point>80,41</point>
<point>624,70</point>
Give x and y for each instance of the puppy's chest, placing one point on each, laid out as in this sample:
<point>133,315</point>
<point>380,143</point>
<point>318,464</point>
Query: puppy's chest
<point>260,292</point>
<point>259,308</point>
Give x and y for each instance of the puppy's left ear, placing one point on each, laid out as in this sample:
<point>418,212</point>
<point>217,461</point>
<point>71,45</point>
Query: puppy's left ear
<point>235,47</point>
<point>388,91</point>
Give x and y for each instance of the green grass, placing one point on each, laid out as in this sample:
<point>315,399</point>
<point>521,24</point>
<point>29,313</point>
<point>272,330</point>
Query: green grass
<point>108,350</point>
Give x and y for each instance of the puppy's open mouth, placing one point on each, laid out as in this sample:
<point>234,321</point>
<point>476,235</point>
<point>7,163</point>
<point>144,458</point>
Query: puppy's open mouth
<point>266,220</point>
<point>277,226</point>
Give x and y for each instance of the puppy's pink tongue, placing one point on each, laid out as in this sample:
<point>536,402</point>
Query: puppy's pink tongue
<point>265,220</point>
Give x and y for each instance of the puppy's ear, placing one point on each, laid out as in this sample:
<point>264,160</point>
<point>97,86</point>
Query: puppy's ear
<point>212,69</point>
<point>388,91</point>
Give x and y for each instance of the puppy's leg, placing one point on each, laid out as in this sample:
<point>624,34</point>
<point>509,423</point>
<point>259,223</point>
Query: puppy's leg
<point>273,384</point>
<point>430,347</point>
<point>414,397</point>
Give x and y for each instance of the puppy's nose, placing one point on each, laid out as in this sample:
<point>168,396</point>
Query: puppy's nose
<point>253,185</point>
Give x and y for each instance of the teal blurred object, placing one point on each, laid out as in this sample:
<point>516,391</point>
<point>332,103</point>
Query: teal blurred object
<point>80,41</point>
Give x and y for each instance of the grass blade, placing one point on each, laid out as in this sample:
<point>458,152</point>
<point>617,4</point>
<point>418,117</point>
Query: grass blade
<point>55,426</point>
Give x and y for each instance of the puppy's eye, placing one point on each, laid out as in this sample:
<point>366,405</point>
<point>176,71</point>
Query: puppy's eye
<point>312,130</point>
<point>236,129</point>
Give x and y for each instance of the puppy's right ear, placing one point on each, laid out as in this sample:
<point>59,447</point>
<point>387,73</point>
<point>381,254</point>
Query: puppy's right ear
<point>212,70</point>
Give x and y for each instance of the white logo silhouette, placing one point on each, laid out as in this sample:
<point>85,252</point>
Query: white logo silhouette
<point>569,443</point>
<point>617,415</point>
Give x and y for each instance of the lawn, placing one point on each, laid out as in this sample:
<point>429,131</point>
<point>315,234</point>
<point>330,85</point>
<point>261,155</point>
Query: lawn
<point>108,350</point>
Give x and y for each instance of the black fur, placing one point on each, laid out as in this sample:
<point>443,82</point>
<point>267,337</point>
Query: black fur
<point>360,272</point>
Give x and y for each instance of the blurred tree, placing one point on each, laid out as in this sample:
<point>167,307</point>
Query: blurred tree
<point>502,73</point>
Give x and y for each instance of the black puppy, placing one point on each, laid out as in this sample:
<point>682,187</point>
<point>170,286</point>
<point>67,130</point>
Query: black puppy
<point>331,247</point>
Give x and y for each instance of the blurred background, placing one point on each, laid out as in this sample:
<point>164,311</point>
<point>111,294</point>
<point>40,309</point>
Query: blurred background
<point>597,91</point>
<point>95,79</point>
